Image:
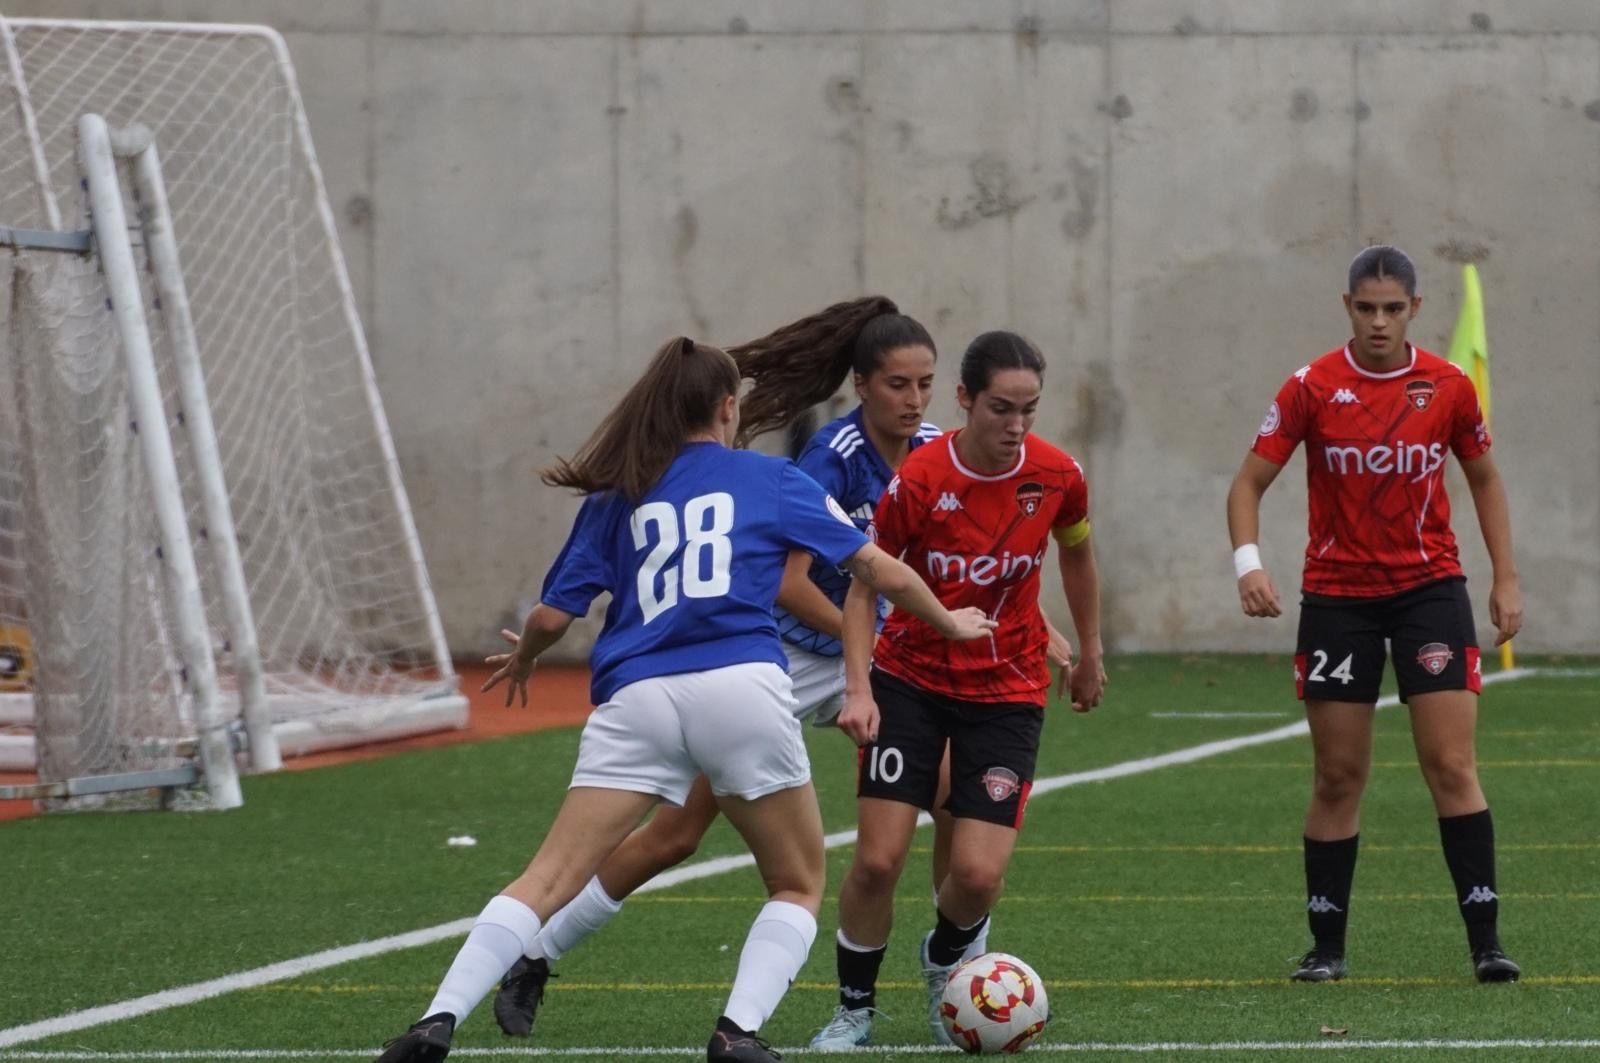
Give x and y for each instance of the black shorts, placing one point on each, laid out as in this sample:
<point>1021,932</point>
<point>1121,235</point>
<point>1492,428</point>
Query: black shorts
<point>1340,650</point>
<point>993,747</point>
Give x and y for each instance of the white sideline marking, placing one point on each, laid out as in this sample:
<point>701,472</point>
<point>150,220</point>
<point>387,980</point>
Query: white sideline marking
<point>613,1051</point>
<point>317,961</point>
<point>1214,715</point>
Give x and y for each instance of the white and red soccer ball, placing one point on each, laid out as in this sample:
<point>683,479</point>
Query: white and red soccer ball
<point>994,1005</point>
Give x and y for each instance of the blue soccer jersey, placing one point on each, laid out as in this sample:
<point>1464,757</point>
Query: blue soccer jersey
<point>843,460</point>
<point>694,568</point>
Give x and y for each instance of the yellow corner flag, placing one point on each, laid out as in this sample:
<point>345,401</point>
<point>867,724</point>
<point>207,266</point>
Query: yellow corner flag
<point>1469,349</point>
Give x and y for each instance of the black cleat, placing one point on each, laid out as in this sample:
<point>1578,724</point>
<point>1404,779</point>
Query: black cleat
<point>428,1041</point>
<point>730,1044</point>
<point>521,992</point>
<point>1320,965</point>
<point>1492,965</point>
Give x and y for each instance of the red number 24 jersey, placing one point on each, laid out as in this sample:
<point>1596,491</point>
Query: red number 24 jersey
<point>1376,445</point>
<point>978,540</point>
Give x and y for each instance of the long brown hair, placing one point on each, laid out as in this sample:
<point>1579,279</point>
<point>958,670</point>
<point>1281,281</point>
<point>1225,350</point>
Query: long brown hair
<point>803,363</point>
<point>631,448</point>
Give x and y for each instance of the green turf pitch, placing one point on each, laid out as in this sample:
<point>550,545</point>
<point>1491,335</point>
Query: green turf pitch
<point>1160,907</point>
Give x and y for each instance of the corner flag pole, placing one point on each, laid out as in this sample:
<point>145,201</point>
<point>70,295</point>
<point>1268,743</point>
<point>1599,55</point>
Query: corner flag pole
<point>1469,349</point>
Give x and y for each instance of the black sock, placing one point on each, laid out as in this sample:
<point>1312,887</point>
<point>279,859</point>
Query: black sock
<point>950,941</point>
<point>1330,868</point>
<point>858,974</point>
<point>1469,852</point>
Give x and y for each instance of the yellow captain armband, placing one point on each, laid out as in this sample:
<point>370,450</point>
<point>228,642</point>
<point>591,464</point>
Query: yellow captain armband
<point>1072,534</point>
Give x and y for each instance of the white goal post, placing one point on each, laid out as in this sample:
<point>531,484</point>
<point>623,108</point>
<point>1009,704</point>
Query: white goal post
<point>203,531</point>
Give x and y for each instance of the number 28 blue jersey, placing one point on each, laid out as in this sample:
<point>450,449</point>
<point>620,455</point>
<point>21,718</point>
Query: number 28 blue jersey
<point>694,568</point>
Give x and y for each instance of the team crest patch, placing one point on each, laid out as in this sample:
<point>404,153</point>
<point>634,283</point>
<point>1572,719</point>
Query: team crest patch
<point>1030,496</point>
<point>1419,393</point>
<point>1434,656</point>
<point>1000,783</point>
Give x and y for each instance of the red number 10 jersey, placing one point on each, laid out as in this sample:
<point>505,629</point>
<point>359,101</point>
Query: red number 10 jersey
<point>978,540</point>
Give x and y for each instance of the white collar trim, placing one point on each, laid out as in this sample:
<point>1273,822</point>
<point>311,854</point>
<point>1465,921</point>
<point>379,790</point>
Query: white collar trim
<point>1022,457</point>
<point>1410,365</point>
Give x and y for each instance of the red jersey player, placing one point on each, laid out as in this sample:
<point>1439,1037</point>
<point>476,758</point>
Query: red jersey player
<point>974,512</point>
<point>1379,417</point>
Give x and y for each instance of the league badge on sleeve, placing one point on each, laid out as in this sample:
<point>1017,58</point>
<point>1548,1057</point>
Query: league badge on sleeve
<point>1269,423</point>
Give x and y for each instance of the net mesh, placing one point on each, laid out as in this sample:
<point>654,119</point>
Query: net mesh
<point>342,618</point>
<point>82,591</point>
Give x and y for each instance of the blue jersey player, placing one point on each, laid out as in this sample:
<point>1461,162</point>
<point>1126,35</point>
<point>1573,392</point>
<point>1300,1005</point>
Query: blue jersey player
<point>690,539</point>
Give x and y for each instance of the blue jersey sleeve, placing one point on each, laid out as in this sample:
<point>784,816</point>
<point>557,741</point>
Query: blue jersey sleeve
<point>829,468</point>
<point>580,572</point>
<point>811,520</point>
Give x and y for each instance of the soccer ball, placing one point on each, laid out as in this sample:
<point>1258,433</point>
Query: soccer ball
<point>994,1005</point>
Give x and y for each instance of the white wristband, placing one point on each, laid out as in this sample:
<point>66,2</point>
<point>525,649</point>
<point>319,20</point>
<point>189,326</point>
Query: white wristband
<point>1246,559</point>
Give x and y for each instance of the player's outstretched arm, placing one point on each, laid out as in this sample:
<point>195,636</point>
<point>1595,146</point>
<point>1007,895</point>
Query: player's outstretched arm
<point>859,717</point>
<point>896,581</point>
<point>1258,595</point>
<point>1080,579</point>
<point>1494,518</point>
<point>802,599</point>
<point>543,629</point>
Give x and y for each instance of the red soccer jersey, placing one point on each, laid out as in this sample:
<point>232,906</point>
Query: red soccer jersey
<point>1376,445</point>
<point>978,540</point>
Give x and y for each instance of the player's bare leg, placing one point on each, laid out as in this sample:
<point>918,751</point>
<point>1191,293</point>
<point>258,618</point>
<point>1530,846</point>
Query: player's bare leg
<point>979,854</point>
<point>591,822</point>
<point>1444,727</point>
<point>1341,745</point>
<point>784,833</point>
<point>866,914</point>
<point>943,830</point>
<point>670,836</point>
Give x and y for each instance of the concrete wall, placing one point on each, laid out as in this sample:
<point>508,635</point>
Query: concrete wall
<point>1163,194</point>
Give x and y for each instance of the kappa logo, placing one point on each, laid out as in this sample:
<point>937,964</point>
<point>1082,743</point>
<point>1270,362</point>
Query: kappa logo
<point>1344,395</point>
<point>1419,393</point>
<point>1000,783</point>
<point>1030,496</point>
<point>1434,657</point>
<point>1480,895</point>
<point>1322,906</point>
<point>948,503</point>
<point>894,488</point>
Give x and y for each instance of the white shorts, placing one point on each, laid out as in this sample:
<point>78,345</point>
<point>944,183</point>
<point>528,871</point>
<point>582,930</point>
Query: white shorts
<point>818,685</point>
<point>734,725</point>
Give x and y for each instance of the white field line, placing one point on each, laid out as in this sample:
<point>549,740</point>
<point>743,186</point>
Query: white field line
<point>1162,1048</point>
<point>317,961</point>
<point>1215,715</point>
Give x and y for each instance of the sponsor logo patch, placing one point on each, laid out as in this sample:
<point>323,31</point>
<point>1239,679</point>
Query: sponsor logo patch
<point>1419,393</point>
<point>1030,496</point>
<point>1434,656</point>
<point>1000,783</point>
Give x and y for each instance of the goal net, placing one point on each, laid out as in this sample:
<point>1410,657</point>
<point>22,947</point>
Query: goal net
<point>350,647</point>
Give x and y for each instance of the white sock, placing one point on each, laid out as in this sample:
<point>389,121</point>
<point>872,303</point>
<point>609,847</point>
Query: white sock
<point>503,930</point>
<point>582,916</point>
<point>774,952</point>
